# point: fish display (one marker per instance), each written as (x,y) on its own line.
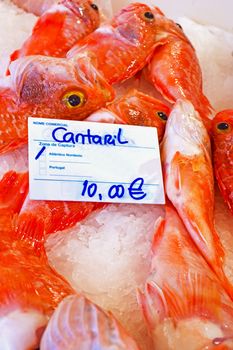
(135,108)
(92,275)
(222,132)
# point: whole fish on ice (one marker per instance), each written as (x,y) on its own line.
(189,181)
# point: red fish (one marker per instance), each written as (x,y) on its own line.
(222,132)
(30,289)
(48,87)
(189,182)
(123,47)
(135,108)
(59,28)
(79,324)
(174,68)
(184,304)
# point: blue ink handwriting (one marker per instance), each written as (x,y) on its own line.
(88,138)
(135,190)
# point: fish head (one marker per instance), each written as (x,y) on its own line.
(86,11)
(222,127)
(58,88)
(167,28)
(136,23)
(137,108)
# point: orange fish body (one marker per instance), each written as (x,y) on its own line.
(135,108)
(222,132)
(37,7)
(30,289)
(48,87)
(59,28)
(189,181)
(184,305)
(79,324)
(174,68)
(122,48)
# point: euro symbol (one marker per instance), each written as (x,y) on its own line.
(135,189)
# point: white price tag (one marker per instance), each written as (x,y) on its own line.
(85,161)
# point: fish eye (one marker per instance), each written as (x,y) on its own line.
(178,25)
(149,16)
(95,7)
(223,127)
(162,116)
(74,99)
